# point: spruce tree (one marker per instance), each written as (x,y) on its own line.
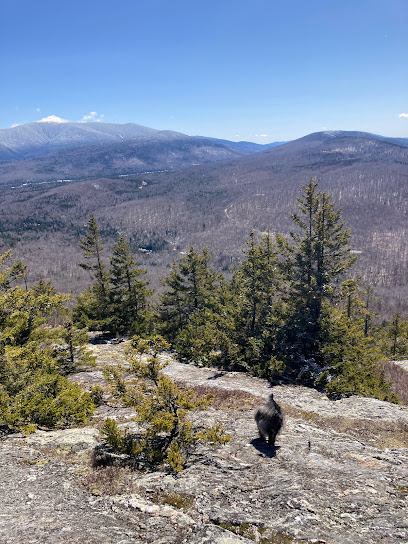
(350,357)
(32,390)
(317,258)
(92,309)
(128,291)
(257,313)
(395,337)
(189,306)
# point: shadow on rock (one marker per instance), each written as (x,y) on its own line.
(216,376)
(264,448)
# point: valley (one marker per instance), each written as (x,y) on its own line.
(214,205)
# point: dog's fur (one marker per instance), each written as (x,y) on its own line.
(269,419)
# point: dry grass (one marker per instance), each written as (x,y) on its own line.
(65,454)
(224,399)
(181,501)
(379,434)
(33,462)
(111,480)
(398,376)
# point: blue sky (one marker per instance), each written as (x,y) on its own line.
(261,71)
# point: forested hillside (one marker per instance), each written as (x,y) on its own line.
(217,205)
(292,313)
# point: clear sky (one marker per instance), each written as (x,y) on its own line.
(260,70)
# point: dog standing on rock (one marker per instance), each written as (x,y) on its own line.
(269,420)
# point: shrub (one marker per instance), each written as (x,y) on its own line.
(162,410)
(32,390)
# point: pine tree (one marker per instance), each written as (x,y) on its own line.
(32,390)
(72,351)
(190,314)
(256,285)
(350,356)
(162,409)
(128,291)
(395,337)
(315,261)
(189,303)
(93,306)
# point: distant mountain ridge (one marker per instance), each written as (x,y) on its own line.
(42,138)
(164,151)
(249,147)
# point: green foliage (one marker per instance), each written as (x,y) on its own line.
(128,292)
(32,391)
(189,308)
(162,410)
(97,395)
(93,306)
(116,302)
(316,259)
(44,398)
(273,369)
(351,358)
(256,305)
(395,337)
(73,351)
(198,341)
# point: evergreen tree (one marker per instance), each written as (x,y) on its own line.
(128,291)
(92,308)
(72,350)
(395,337)
(191,289)
(351,357)
(257,308)
(315,261)
(162,409)
(369,298)
(189,306)
(32,390)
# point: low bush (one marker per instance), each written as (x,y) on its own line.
(162,409)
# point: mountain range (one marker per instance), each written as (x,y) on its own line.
(42,138)
(213,205)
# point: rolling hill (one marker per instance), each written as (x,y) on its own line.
(166,151)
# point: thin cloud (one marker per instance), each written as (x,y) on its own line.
(261,135)
(92,116)
(52,119)
(403,115)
